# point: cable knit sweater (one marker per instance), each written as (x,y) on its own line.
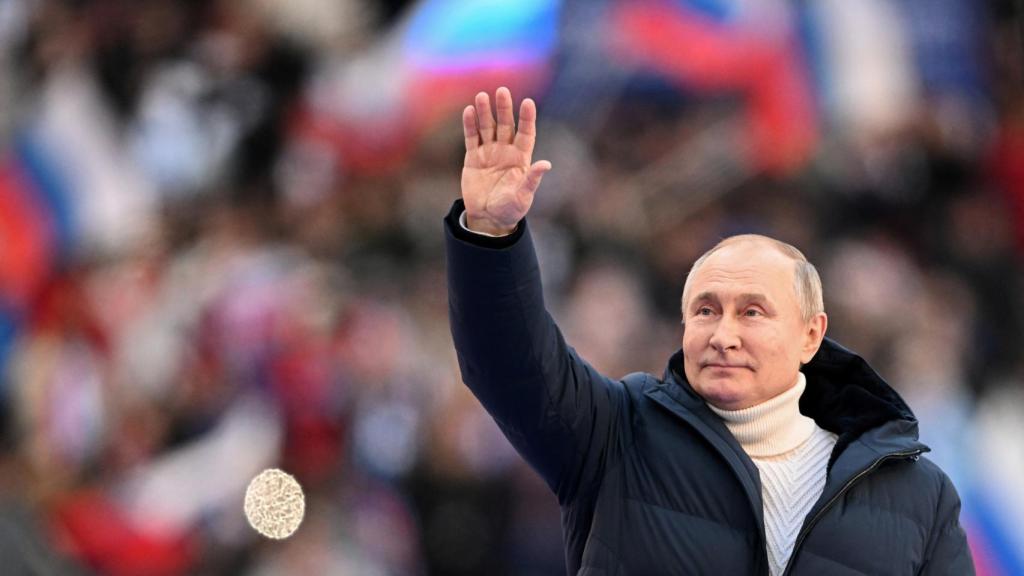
(791,452)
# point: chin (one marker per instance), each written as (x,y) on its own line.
(727,396)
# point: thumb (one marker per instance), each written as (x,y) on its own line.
(534,176)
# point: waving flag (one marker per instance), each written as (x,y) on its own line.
(36,229)
(730,47)
(458,36)
(458,47)
(35,222)
(371,110)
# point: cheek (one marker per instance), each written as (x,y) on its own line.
(693,338)
(782,348)
(691,347)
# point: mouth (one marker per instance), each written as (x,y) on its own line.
(721,366)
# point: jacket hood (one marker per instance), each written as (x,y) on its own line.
(844,394)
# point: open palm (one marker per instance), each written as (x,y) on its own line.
(498,179)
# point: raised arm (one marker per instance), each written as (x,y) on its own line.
(557,411)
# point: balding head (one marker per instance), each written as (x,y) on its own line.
(806,282)
(753,315)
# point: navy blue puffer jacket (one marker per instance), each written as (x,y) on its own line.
(651,482)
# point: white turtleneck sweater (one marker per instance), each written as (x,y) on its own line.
(791,452)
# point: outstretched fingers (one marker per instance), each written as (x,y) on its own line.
(470,129)
(506,120)
(485,118)
(527,134)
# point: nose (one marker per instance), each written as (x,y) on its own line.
(725,336)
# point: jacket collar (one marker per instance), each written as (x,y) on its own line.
(844,395)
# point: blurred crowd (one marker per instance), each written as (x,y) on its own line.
(221,251)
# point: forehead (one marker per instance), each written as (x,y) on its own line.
(744,268)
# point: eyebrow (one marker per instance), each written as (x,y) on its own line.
(753,297)
(746,296)
(704,296)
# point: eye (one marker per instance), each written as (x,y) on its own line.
(753,312)
(705,311)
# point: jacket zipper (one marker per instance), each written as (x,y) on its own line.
(846,487)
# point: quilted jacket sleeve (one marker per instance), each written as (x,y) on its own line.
(557,410)
(948,552)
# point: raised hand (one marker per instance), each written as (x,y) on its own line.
(498,179)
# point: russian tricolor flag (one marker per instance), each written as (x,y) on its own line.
(35,222)
(746,48)
(36,231)
(373,109)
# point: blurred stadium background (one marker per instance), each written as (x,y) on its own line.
(221,250)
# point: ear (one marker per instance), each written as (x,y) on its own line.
(814,333)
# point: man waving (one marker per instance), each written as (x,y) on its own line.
(764,448)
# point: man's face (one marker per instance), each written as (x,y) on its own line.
(744,337)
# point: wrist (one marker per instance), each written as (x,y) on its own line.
(484,226)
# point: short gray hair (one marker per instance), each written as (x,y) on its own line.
(806,282)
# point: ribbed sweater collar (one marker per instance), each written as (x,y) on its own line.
(773,427)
